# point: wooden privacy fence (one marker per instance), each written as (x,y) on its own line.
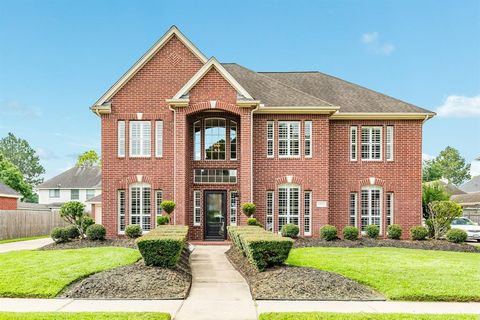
(28,223)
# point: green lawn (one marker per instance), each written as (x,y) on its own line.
(401,274)
(361,316)
(22,239)
(45,273)
(83,316)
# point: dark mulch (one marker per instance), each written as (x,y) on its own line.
(135,281)
(84,243)
(408,244)
(296,283)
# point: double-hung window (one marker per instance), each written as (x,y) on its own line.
(308,139)
(269,215)
(288,205)
(74,194)
(353,209)
(289,139)
(158,139)
(54,193)
(389,208)
(371,206)
(121,138)
(140,197)
(140,137)
(270,139)
(389,152)
(371,143)
(121,211)
(353,143)
(307,213)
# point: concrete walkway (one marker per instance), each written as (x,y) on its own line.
(25,245)
(218,290)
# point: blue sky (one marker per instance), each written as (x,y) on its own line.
(58,57)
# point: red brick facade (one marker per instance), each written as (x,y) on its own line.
(7,203)
(328,174)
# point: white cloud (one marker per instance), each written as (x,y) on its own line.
(18,109)
(475,168)
(373,44)
(460,107)
(426,156)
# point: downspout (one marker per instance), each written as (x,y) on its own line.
(174,162)
(251,152)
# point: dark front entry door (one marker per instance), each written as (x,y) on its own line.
(215,209)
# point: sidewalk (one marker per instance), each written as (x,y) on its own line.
(25,245)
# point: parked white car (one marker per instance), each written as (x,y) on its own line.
(471,228)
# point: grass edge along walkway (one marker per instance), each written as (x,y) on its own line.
(362,316)
(84,316)
(22,239)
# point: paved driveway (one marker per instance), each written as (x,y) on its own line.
(24,245)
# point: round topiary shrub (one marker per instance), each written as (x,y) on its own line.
(456,235)
(418,233)
(72,232)
(168,206)
(394,231)
(87,222)
(96,232)
(249,209)
(59,235)
(133,231)
(163,220)
(350,233)
(372,231)
(328,232)
(290,230)
(252,221)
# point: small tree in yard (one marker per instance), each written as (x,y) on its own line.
(441,215)
(249,209)
(74,213)
(168,206)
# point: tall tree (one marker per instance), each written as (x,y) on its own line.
(19,152)
(88,159)
(431,171)
(449,165)
(11,176)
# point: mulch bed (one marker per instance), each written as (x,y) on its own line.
(408,244)
(297,283)
(85,243)
(136,281)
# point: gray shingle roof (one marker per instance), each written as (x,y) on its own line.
(32,206)
(472,185)
(7,190)
(95,199)
(470,198)
(76,177)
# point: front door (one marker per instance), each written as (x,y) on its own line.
(215,208)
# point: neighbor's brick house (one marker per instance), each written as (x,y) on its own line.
(305,147)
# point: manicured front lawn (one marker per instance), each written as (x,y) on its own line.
(84,316)
(22,239)
(361,316)
(400,274)
(46,273)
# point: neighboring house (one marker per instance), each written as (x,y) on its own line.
(75,184)
(471,186)
(96,205)
(470,203)
(9,198)
(449,187)
(307,148)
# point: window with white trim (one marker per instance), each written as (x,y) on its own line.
(389,208)
(389,143)
(215,176)
(288,205)
(270,138)
(158,202)
(353,209)
(233,140)
(233,207)
(140,137)
(121,138)
(54,193)
(371,143)
(140,212)
(371,206)
(215,138)
(74,194)
(197,203)
(353,143)
(307,213)
(121,211)
(288,139)
(158,139)
(308,139)
(269,216)
(90,193)
(197,140)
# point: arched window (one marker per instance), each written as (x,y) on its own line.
(215,138)
(140,205)
(288,204)
(216,132)
(371,204)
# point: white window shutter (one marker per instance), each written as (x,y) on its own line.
(121,138)
(159,139)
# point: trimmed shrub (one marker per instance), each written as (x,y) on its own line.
(457,236)
(133,231)
(168,206)
(350,233)
(252,221)
(290,230)
(249,209)
(59,235)
(162,247)
(418,233)
(328,232)
(96,232)
(72,232)
(372,231)
(163,220)
(394,231)
(87,222)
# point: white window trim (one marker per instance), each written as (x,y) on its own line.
(197,195)
(159,139)
(370,139)
(390,143)
(118,210)
(354,131)
(370,216)
(273,209)
(310,139)
(289,151)
(71,194)
(54,193)
(232,173)
(355,209)
(309,233)
(204,130)
(390,208)
(194,144)
(234,208)
(230,140)
(141,215)
(142,124)
(157,205)
(289,187)
(121,139)
(271,124)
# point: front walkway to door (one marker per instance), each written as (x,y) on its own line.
(218,290)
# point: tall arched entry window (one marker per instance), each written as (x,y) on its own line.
(288,204)
(211,136)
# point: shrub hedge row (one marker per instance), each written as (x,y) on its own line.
(262,248)
(163,246)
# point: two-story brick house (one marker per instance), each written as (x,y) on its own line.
(305,147)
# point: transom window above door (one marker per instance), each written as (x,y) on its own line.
(211,133)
